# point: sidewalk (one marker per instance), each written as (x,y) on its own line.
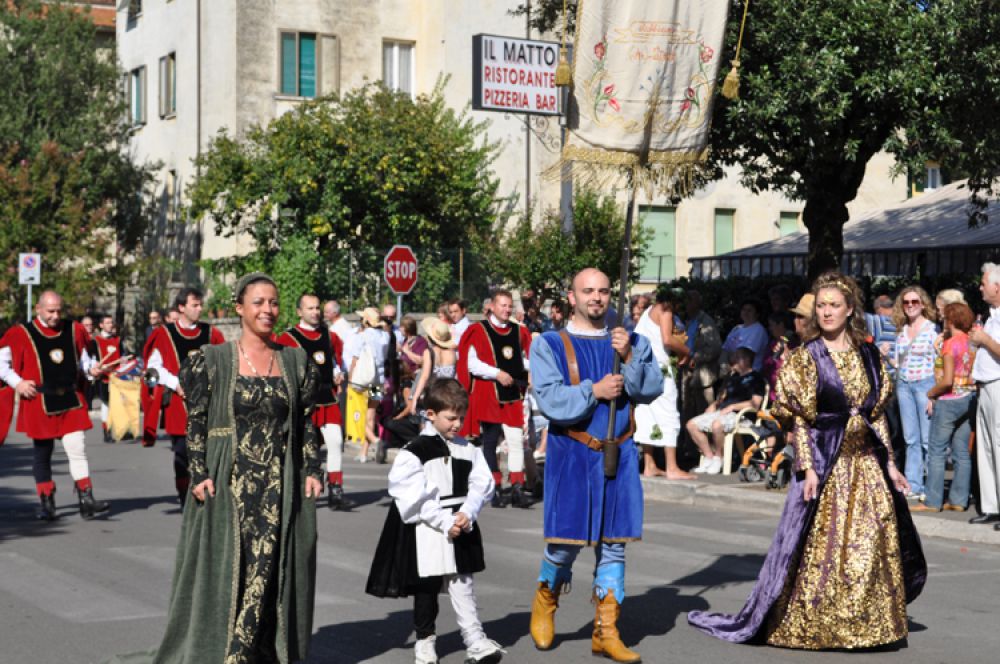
(729,492)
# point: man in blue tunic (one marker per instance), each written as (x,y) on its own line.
(574,385)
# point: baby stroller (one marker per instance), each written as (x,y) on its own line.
(769,458)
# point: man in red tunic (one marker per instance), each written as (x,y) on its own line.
(108,348)
(43,360)
(326,351)
(493,367)
(166,350)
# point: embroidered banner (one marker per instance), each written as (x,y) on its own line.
(644,82)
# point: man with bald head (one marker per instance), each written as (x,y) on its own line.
(326,351)
(572,376)
(43,361)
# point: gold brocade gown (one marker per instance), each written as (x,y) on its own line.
(846,590)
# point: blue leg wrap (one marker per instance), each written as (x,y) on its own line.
(610,577)
(554,575)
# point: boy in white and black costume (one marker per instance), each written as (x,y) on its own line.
(430,540)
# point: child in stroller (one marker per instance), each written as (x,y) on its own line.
(770,457)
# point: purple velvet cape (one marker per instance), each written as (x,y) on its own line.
(825,435)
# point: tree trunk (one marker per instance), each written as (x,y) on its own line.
(825,215)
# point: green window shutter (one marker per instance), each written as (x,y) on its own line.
(307,65)
(289,79)
(724,231)
(789,223)
(661,254)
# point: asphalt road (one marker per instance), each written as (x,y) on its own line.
(77,592)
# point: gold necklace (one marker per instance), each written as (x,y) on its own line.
(270,365)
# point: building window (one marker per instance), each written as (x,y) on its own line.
(933,178)
(135,91)
(298,64)
(724,231)
(397,66)
(168,85)
(134,8)
(659,263)
(788,223)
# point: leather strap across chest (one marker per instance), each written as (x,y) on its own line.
(582,436)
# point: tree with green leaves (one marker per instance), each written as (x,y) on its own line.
(67,188)
(324,184)
(542,257)
(825,86)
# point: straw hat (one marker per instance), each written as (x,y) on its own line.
(805,306)
(370,317)
(438,332)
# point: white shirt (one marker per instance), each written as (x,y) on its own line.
(987,366)
(166,379)
(479,368)
(9,376)
(378,343)
(459,328)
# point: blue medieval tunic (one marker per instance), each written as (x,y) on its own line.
(581,505)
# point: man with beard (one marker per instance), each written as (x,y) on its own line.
(43,361)
(166,350)
(493,367)
(326,351)
(574,385)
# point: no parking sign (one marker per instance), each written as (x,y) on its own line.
(29,269)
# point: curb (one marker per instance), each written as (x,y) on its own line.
(750,498)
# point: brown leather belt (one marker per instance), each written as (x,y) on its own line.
(581,436)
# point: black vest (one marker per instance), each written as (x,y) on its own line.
(59,366)
(186,346)
(320,352)
(507,354)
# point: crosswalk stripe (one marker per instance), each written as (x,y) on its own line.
(67,596)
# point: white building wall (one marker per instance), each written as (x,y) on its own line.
(240,87)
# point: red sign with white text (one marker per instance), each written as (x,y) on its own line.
(401,269)
(514,75)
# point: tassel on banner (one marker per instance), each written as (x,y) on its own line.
(564,74)
(731,86)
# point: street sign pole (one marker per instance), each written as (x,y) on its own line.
(29,273)
(399,309)
(28,313)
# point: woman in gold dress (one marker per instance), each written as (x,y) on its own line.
(846,559)
(244,579)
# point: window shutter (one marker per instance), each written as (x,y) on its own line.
(307,65)
(288,65)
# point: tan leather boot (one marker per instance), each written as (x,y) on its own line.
(543,616)
(606,640)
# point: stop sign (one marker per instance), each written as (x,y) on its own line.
(401,269)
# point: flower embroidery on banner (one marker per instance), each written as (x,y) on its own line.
(607,92)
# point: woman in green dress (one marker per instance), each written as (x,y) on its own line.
(244,580)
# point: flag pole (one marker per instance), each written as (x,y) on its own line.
(611,451)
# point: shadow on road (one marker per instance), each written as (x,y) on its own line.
(365,639)
(726,569)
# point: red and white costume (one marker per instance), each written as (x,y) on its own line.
(486,349)
(55,359)
(166,349)
(108,349)
(327,351)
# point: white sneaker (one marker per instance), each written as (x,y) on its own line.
(484,651)
(702,466)
(424,651)
(714,466)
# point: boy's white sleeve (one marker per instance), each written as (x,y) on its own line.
(481,487)
(416,500)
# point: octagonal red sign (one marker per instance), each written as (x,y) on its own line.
(401,269)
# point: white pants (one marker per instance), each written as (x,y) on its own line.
(515,448)
(462,591)
(104,413)
(661,414)
(988,447)
(333,437)
(77,455)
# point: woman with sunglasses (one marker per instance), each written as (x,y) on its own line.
(913,315)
